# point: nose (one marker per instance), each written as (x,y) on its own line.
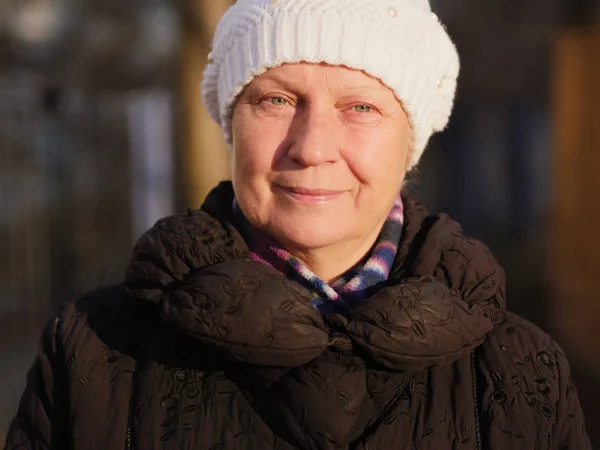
(315,137)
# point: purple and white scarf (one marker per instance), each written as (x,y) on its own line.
(349,290)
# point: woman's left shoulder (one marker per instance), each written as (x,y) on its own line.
(517,347)
(516,339)
(525,378)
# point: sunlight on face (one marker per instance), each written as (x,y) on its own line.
(320,152)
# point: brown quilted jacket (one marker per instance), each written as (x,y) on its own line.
(201,348)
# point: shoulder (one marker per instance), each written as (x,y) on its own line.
(102,317)
(523,367)
(526,389)
(519,345)
(521,334)
(96,305)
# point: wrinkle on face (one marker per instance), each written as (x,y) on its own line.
(316,138)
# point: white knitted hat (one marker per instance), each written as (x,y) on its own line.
(400,42)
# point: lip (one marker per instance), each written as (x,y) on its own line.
(311,196)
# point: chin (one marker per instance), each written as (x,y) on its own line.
(308,233)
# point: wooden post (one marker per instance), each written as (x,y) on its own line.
(575,240)
(204,157)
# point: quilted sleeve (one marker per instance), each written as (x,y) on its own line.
(39,423)
(570,425)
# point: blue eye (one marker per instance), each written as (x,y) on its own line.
(278,101)
(362,108)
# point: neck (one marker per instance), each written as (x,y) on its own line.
(329,263)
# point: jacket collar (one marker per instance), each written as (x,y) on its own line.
(445,293)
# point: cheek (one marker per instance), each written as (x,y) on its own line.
(246,142)
(252,163)
(245,165)
(379,158)
(395,147)
(256,148)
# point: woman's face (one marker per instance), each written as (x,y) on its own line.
(320,152)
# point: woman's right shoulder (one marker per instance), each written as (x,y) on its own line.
(104,317)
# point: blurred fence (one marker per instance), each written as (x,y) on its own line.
(68,180)
(99,104)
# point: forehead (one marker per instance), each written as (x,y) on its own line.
(301,75)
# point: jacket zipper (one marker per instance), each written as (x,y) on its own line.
(128,439)
(475,402)
(132,395)
(128,433)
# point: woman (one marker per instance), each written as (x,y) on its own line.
(308,305)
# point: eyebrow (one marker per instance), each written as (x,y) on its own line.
(277,80)
(290,86)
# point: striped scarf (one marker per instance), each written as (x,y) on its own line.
(349,290)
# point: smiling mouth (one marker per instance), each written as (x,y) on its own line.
(311,196)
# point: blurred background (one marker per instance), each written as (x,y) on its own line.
(102,132)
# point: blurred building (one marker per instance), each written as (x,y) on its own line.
(514,165)
(87,113)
